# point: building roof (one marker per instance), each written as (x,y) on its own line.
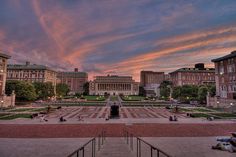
(72,74)
(27,67)
(195,70)
(231,55)
(5,56)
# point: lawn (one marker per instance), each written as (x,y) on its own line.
(225,115)
(132,98)
(20,109)
(94,98)
(114,98)
(14,116)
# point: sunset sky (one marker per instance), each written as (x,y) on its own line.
(119,37)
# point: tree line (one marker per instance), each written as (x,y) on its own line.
(26,91)
(187,93)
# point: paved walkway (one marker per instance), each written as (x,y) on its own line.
(115,147)
(188,146)
(53,147)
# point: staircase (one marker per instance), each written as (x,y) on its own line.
(115,147)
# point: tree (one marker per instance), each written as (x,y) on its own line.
(202,93)
(86,88)
(62,89)
(165,89)
(142,92)
(44,89)
(24,91)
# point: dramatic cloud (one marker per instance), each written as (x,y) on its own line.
(117,37)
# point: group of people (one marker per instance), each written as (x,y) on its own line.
(226,144)
(173,118)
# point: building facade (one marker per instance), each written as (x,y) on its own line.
(31,73)
(3,72)
(5,101)
(75,80)
(151,77)
(113,85)
(225,74)
(199,75)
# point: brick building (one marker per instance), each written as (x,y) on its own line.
(198,75)
(151,77)
(226,76)
(31,73)
(75,80)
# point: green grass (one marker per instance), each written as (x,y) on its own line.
(20,110)
(14,116)
(133,98)
(203,115)
(225,115)
(114,98)
(94,98)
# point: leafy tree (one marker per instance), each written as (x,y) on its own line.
(142,92)
(176,92)
(165,89)
(62,89)
(86,88)
(24,91)
(202,93)
(44,89)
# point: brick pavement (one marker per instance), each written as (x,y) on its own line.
(114,130)
(102,112)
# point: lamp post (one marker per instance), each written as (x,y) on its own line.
(2,104)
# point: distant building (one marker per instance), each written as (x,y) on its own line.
(75,80)
(151,81)
(152,90)
(198,75)
(151,77)
(5,101)
(167,77)
(113,85)
(31,73)
(226,76)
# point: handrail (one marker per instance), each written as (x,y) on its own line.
(93,141)
(129,139)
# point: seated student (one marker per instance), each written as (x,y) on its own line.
(62,119)
(175,118)
(170,118)
(227,144)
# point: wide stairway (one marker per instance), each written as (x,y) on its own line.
(115,147)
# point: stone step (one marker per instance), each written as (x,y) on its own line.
(115,147)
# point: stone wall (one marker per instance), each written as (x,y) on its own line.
(217,102)
(7,101)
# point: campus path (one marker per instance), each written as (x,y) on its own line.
(115,147)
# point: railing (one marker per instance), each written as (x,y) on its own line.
(143,148)
(89,149)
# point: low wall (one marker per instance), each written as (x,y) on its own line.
(7,101)
(217,102)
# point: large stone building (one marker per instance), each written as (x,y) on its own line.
(113,85)
(31,73)
(225,70)
(75,80)
(198,75)
(151,77)
(5,101)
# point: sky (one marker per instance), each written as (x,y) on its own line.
(117,37)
